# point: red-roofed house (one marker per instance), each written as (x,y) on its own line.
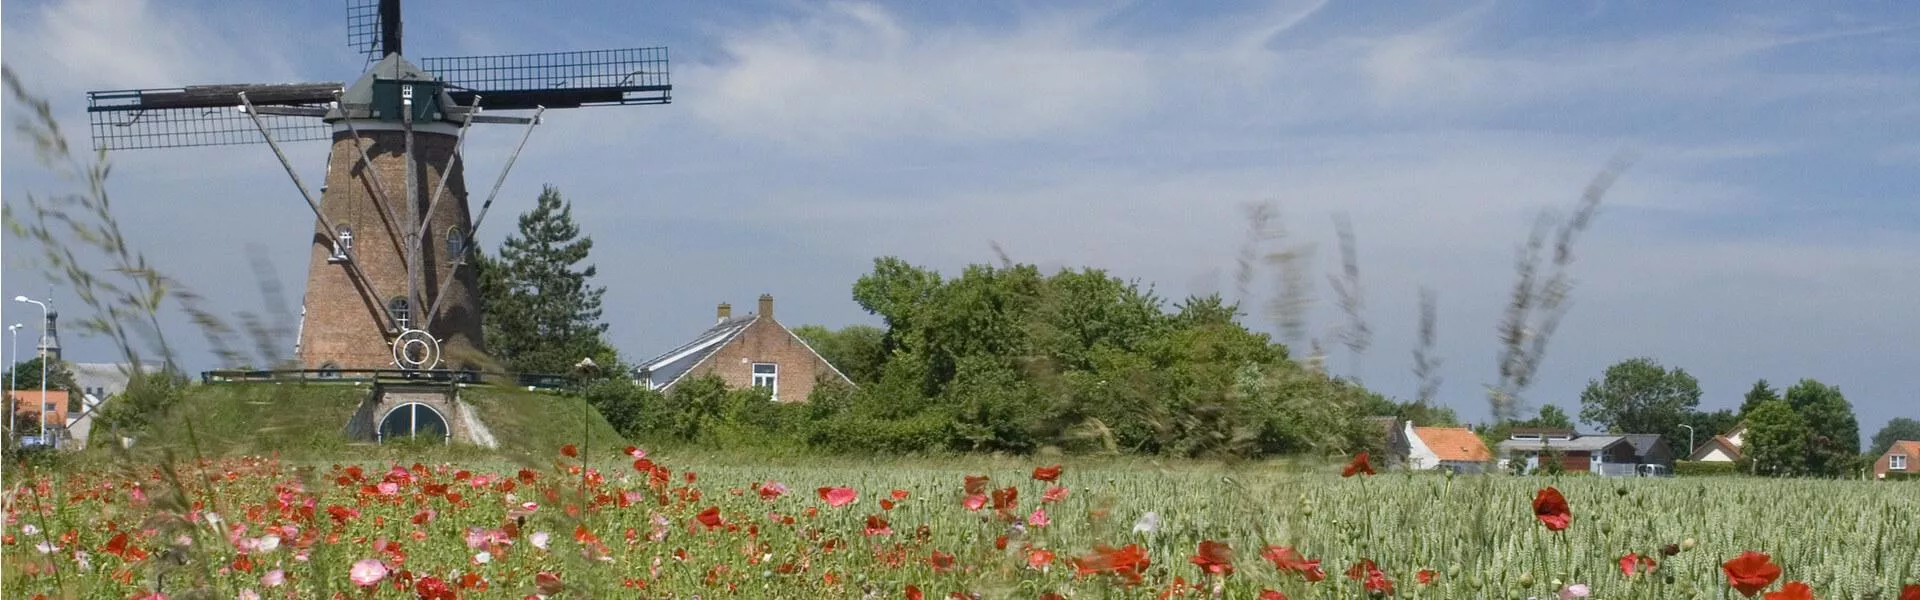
(28,406)
(1722,448)
(1902,457)
(1457,449)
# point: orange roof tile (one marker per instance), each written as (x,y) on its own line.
(1454,443)
(1908,447)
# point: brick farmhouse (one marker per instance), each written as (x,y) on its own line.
(749,350)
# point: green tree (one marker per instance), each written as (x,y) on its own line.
(1551,417)
(1900,428)
(1760,393)
(1640,396)
(859,351)
(1833,433)
(1776,440)
(542,315)
(28,372)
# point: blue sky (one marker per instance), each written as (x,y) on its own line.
(1766,231)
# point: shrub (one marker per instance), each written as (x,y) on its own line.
(1691,468)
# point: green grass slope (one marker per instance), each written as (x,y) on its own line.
(532,426)
(307,422)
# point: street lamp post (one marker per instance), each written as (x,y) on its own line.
(43,364)
(13,385)
(1689,438)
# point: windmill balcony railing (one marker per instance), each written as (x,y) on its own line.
(468,377)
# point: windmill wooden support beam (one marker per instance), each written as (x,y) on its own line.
(212,96)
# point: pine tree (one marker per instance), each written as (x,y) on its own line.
(1759,394)
(542,314)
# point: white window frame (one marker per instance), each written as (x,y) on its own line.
(342,242)
(772,378)
(1897,462)
(402,312)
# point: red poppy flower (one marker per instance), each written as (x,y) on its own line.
(1039,558)
(548,583)
(1750,572)
(1357,465)
(1266,594)
(1377,582)
(899,494)
(1360,569)
(1214,557)
(976,485)
(432,588)
(1129,561)
(1632,563)
(1053,494)
(878,526)
(1910,592)
(837,496)
(570,451)
(1425,576)
(1287,559)
(709,517)
(1551,508)
(1047,474)
(913,592)
(886,504)
(974,502)
(1793,590)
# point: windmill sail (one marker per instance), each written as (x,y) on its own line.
(373,28)
(205,115)
(557,79)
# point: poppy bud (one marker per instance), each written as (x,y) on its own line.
(1526,580)
(1670,549)
(1621,491)
(1687,544)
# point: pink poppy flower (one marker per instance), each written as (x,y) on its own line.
(368,573)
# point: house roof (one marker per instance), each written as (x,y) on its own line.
(1907,447)
(1721,442)
(670,366)
(1586,443)
(1643,443)
(1454,443)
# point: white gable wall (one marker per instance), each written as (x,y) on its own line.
(1716,455)
(1419,455)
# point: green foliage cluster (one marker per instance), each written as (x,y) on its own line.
(1007,359)
(541,314)
(1901,428)
(1695,468)
(1811,430)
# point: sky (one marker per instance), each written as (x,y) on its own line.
(1766,229)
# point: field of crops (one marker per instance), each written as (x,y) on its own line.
(648,526)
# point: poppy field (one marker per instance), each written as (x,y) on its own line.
(633,525)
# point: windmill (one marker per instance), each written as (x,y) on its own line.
(388,282)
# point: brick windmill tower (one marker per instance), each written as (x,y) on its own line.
(389,284)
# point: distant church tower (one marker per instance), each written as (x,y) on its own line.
(50,343)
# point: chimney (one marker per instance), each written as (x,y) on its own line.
(724,312)
(766,306)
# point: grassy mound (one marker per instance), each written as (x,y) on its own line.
(307,422)
(532,426)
